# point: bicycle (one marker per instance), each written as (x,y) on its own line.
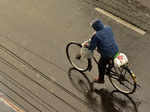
(122,78)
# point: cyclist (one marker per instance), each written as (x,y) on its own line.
(103,40)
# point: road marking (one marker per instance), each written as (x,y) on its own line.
(119,20)
(53,79)
(7,102)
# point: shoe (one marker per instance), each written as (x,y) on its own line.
(97,80)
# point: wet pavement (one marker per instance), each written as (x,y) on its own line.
(134,11)
(34,67)
(145,3)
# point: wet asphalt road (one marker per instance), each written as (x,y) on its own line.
(145,3)
(34,67)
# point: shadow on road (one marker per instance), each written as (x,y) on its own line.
(116,101)
(101,100)
(79,80)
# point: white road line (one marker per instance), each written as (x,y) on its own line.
(119,20)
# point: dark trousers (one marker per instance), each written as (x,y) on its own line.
(102,66)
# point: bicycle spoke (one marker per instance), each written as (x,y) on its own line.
(117,78)
(124,85)
(128,82)
(75,58)
(123,73)
(112,72)
(122,80)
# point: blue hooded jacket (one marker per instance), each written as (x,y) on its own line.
(104,40)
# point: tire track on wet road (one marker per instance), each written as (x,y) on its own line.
(43,75)
(29,92)
(2,60)
(2,83)
(38,71)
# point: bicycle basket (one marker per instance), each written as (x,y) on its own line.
(85,52)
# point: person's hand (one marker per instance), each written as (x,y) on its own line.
(85,44)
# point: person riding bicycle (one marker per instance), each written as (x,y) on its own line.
(103,39)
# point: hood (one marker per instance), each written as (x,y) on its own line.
(98,25)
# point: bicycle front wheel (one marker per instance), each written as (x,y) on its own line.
(75,58)
(123,80)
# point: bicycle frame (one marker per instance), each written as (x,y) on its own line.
(110,72)
(107,68)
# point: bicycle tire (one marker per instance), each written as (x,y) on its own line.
(84,66)
(128,73)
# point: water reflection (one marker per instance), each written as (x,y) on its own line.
(113,101)
(101,100)
(79,80)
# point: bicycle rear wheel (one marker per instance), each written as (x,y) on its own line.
(123,80)
(74,57)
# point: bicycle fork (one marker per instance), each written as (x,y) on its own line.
(131,73)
